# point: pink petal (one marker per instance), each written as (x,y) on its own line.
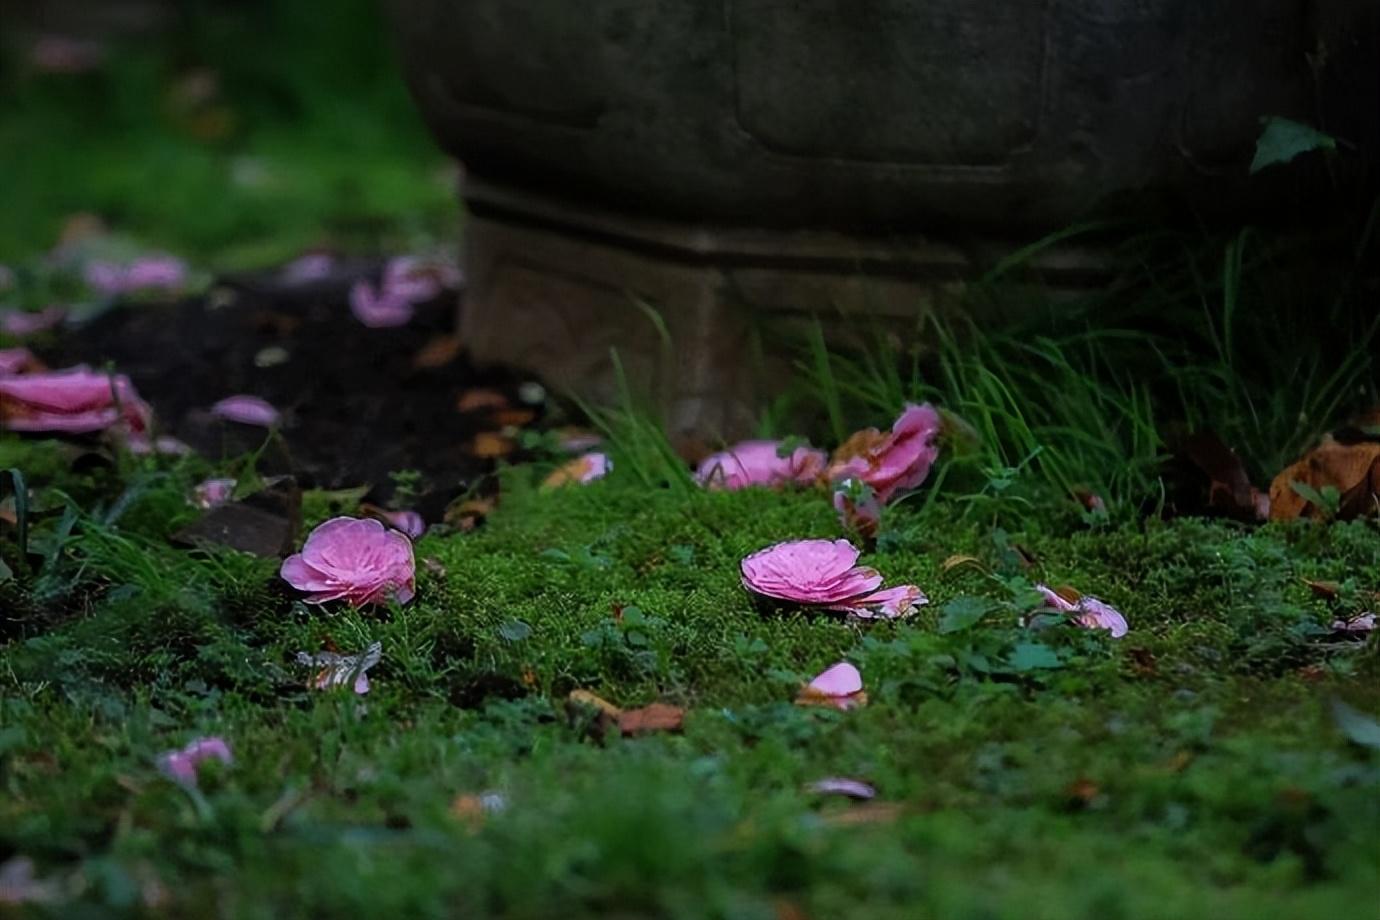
(595,466)
(247,410)
(887,604)
(842,785)
(20,324)
(379,309)
(1052,599)
(1095,614)
(309,268)
(76,400)
(1361,623)
(155,271)
(409,523)
(757,463)
(902,461)
(841,679)
(181,765)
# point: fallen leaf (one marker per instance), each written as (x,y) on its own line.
(1327,590)
(438,352)
(1352,469)
(514,418)
(490,445)
(480,398)
(956,560)
(264,524)
(1068,593)
(658,717)
(466,515)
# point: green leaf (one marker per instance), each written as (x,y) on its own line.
(1033,656)
(1356,725)
(962,612)
(1328,499)
(1283,139)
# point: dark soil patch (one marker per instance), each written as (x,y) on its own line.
(357,406)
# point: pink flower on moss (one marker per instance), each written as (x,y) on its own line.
(16,361)
(213,493)
(814,572)
(893,463)
(839,686)
(1087,611)
(22,324)
(355,560)
(247,410)
(76,400)
(1361,623)
(181,765)
(759,463)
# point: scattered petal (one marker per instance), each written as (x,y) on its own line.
(308,268)
(379,308)
(76,400)
(842,785)
(181,765)
(146,273)
(1361,623)
(212,493)
(354,560)
(759,463)
(838,687)
(581,470)
(247,410)
(21,323)
(1087,611)
(894,463)
(335,670)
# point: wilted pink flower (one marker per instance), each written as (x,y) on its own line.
(213,493)
(583,470)
(379,308)
(842,785)
(819,572)
(886,604)
(758,463)
(309,268)
(410,523)
(893,463)
(145,273)
(335,670)
(1361,623)
(859,510)
(75,400)
(838,687)
(181,765)
(355,560)
(1087,611)
(247,410)
(15,361)
(21,323)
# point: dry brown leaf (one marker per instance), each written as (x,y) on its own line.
(1070,594)
(958,559)
(514,418)
(1327,590)
(438,352)
(491,445)
(480,398)
(586,699)
(658,717)
(1352,469)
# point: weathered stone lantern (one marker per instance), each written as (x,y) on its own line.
(728,167)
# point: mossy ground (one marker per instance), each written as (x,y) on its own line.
(1191,769)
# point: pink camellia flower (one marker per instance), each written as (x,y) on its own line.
(1361,623)
(892,463)
(1087,611)
(582,470)
(22,324)
(355,560)
(247,410)
(213,493)
(76,400)
(859,510)
(15,361)
(838,687)
(886,604)
(180,766)
(379,308)
(145,273)
(759,463)
(817,572)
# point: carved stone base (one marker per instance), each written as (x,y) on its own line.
(704,321)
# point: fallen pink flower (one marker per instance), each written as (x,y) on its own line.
(335,670)
(213,493)
(76,400)
(379,308)
(858,508)
(838,687)
(886,604)
(145,273)
(582,470)
(410,523)
(247,410)
(181,765)
(893,463)
(1361,623)
(1087,611)
(15,361)
(759,463)
(22,324)
(842,785)
(818,572)
(355,560)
